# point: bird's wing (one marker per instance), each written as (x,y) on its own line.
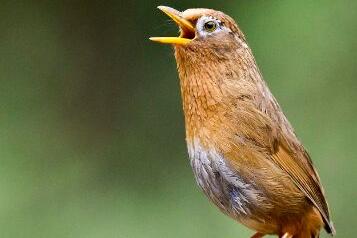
(301,171)
(287,153)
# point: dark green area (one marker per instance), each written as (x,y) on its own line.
(91,128)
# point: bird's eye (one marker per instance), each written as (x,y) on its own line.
(210,26)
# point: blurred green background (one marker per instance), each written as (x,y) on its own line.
(91,128)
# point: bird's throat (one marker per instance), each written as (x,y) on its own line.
(211,85)
(201,93)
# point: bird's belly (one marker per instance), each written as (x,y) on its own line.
(234,196)
(225,188)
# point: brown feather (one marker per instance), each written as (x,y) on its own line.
(232,115)
(305,178)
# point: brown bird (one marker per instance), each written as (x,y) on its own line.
(243,151)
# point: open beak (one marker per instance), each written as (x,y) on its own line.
(186,28)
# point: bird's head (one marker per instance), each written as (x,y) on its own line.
(202,29)
(207,38)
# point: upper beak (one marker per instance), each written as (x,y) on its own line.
(186,27)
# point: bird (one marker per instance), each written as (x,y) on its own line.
(244,153)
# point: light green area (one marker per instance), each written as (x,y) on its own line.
(91,128)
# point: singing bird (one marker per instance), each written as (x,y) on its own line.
(243,151)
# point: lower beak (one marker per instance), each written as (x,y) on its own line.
(186,27)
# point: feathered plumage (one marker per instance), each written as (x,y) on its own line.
(244,152)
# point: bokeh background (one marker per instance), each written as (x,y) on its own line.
(91,127)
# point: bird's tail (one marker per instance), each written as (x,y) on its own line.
(330,228)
